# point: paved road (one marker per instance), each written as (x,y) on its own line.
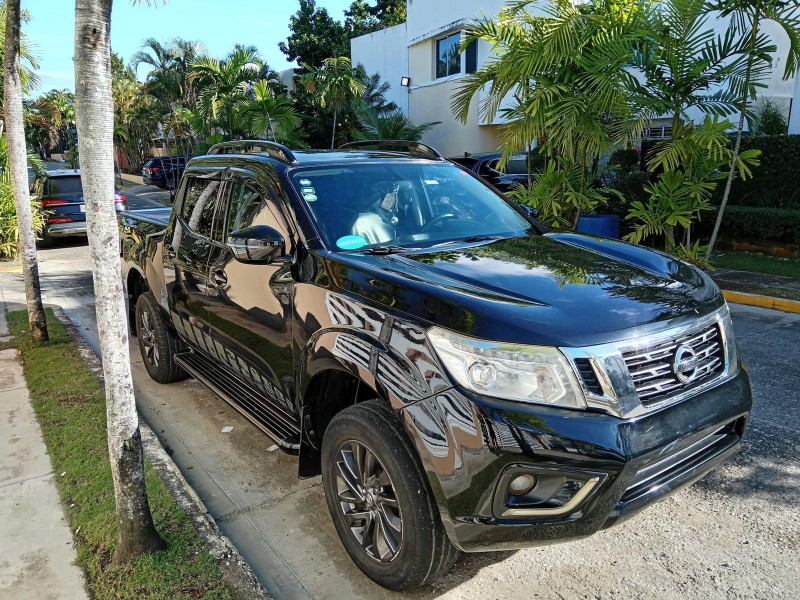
(735,534)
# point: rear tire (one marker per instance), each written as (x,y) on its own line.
(157,343)
(380,500)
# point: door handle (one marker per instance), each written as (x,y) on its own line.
(219,277)
(170,251)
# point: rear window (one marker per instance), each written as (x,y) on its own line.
(65,185)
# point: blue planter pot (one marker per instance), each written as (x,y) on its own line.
(605,225)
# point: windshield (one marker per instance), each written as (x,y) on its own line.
(411,205)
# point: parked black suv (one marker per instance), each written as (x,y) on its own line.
(164,171)
(461,380)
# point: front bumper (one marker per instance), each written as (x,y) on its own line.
(471,447)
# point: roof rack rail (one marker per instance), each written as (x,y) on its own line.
(274,149)
(415,148)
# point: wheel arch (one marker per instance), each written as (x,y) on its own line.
(336,370)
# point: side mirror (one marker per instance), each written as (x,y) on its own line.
(256,244)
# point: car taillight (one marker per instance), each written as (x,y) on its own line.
(120,198)
(48,202)
(152,170)
(59,220)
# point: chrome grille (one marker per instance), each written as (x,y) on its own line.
(653,368)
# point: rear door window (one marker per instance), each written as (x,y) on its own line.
(199,205)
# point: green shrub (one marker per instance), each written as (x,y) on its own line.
(770,119)
(753,223)
(9,232)
(626,159)
(775,181)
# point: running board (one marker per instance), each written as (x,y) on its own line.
(270,419)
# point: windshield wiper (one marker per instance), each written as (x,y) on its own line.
(471,239)
(387,250)
(482,238)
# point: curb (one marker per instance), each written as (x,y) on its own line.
(792,306)
(236,573)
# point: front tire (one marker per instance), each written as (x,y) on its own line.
(380,500)
(157,344)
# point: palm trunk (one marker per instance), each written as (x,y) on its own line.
(738,144)
(333,135)
(18,167)
(94,110)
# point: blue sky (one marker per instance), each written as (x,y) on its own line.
(219,24)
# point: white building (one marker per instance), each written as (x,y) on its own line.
(421,50)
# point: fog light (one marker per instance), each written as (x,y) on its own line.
(521,485)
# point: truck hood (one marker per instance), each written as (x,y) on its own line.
(561,289)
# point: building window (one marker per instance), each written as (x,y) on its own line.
(448,60)
(471,57)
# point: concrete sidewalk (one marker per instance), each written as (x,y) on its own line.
(38,558)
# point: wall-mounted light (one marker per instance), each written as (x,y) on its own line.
(405,81)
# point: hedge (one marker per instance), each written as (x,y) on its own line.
(774,183)
(751,223)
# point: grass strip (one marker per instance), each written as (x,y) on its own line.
(757,263)
(70,408)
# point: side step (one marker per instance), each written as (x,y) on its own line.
(270,419)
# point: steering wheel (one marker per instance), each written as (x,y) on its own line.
(437,219)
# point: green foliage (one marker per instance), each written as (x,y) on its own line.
(757,223)
(335,85)
(694,254)
(674,201)
(770,119)
(270,116)
(775,182)
(28,60)
(684,64)
(624,159)
(223,86)
(394,125)
(565,70)
(689,167)
(314,36)
(9,229)
(562,193)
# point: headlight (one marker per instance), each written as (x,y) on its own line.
(538,374)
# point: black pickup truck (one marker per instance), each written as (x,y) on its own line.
(462,380)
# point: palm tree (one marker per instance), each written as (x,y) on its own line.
(223,85)
(28,64)
(564,74)
(18,165)
(268,112)
(748,18)
(136,534)
(334,85)
(394,125)
(684,64)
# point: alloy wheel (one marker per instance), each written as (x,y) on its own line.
(148,339)
(367,500)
